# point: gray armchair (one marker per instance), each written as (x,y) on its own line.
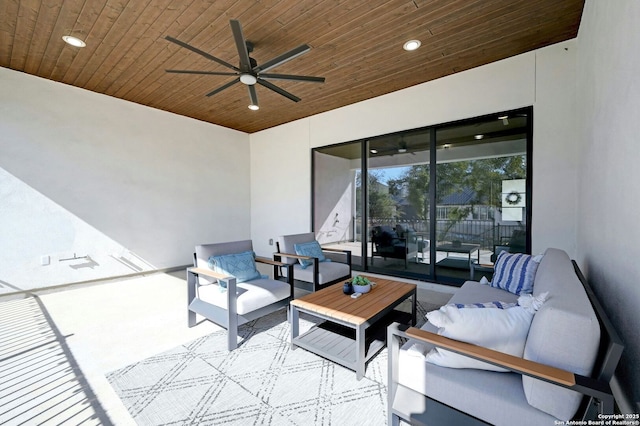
(387,243)
(231,300)
(318,273)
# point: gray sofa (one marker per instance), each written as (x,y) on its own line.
(565,333)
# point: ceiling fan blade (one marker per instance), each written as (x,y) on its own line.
(278,90)
(292,77)
(253,95)
(285,57)
(200,72)
(200,52)
(226,86)
(241,45)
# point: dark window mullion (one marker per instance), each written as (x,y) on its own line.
(432,201)
(364,187)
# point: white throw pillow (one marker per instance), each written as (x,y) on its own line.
(532,303)
(504,330)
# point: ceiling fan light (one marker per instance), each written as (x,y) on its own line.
(248,79)
(73,41)
(411,45)
(253,107)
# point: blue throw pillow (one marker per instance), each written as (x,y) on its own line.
(514,272)
(240,265)
(311,249)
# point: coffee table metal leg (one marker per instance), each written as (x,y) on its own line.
(360,354)
(294,324)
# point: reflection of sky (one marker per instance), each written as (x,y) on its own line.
(390,173)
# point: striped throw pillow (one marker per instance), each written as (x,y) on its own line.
(514,272)
(496,304)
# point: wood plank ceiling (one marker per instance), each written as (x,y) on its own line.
(356,45)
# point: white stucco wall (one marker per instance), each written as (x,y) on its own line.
(98,176)
(609,172)
(535,78)
(280,184)
(335,198)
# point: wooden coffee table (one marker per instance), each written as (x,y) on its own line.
(354,329)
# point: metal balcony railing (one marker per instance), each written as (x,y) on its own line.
(486,233)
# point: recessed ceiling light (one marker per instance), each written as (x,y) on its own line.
(402,150)
(503,117)
(73,41)
(411,45)
(253,107)
(479,136)
(373,151)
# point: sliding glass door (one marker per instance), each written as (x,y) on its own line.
(398,168)
(428,203)
(481,192)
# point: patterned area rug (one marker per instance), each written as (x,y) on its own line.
(263,382)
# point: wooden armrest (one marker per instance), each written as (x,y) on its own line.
(511,362)
(295,256)
(209,273)
(269,261)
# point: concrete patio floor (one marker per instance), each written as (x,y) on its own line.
(57,347)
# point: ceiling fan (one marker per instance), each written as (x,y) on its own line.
(400,148)
(249,72)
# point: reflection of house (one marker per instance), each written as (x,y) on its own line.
(406,210)
(454,203)
(465,199)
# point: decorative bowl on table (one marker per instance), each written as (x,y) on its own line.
(361,284)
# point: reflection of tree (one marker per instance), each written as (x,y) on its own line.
(381,204)
(417,180)
(484,177)
(450,178)
(487,176)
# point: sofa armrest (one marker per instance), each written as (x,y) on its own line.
(566,379)
(513,363)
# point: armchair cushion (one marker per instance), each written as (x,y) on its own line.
(311,249)
(252,295)
(240,265)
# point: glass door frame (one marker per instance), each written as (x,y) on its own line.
(432,214)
